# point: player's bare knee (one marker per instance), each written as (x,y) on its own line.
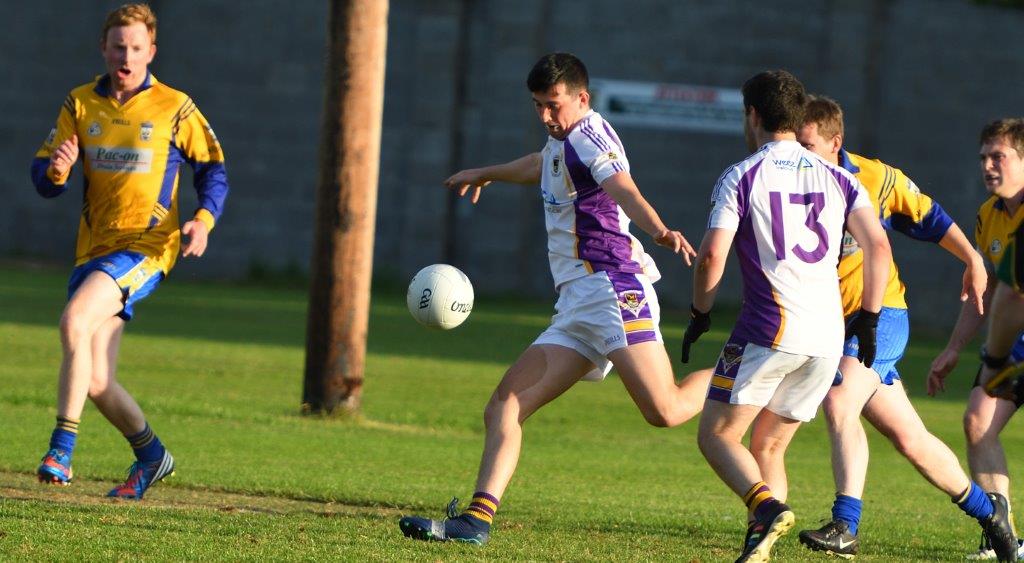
(502,408)
(657,417)
(766,450)
(977,429)
(74,331)
(98,387)
(906,444)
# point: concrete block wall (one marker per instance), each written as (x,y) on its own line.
(917,78)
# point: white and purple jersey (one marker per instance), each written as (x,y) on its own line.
(788,208)
(587,231)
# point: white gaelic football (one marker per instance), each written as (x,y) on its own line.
(440,296)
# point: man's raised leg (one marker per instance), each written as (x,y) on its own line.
(646,372)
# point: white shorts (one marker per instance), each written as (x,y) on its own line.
(602,312)
(789,385)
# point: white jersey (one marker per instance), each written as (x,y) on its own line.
(788,208)
(587,231)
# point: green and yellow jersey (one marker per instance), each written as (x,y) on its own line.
(1000,240)
(901,207)
(131,156)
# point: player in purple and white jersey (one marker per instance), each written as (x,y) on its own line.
(607,311)
(785,208)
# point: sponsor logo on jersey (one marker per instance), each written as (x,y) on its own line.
(146,130)
(612,156)
(632,301)
(784,164)
(51,136)
(120,159)
(119,121)
(94,129)
(996,247)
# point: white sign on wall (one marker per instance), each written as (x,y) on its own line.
(668,106)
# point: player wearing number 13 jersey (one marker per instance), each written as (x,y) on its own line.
(785,209)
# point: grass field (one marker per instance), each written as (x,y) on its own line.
(218,371)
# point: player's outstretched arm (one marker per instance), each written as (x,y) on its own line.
(623,190)
(525,170)
(975,279)
(967,325)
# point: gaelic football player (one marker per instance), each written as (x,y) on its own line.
(607,311)
(132,133)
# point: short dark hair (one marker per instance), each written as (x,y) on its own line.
(779,99)
(826,113)
(1009,128)
(555,68)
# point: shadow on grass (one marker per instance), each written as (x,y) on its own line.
(496,332)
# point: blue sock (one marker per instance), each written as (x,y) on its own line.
(975,502)
(146,445)
(848,509)
(64,435)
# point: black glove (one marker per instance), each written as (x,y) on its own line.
(863,325)
(699,324)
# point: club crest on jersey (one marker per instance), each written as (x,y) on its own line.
(94,129)
(732,355)
(146,130)
(996,247)
(632,301)
(556,165)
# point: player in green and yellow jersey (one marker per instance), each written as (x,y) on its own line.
(1000,240)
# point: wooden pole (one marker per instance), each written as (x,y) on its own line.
(346,203)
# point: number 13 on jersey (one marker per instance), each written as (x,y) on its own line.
(814,203)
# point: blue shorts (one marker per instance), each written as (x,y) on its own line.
(1017,353)
(890,343)
(136,274)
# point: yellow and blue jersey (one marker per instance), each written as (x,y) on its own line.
(131,156)
(1000,239)
(901,207)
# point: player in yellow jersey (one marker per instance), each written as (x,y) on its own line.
(878,393)
(999,238)
(133,133)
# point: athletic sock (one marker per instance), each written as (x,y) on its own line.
(975,502)
(847,509)
(64,435)
(759,500)
(146,445)
(483,507)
